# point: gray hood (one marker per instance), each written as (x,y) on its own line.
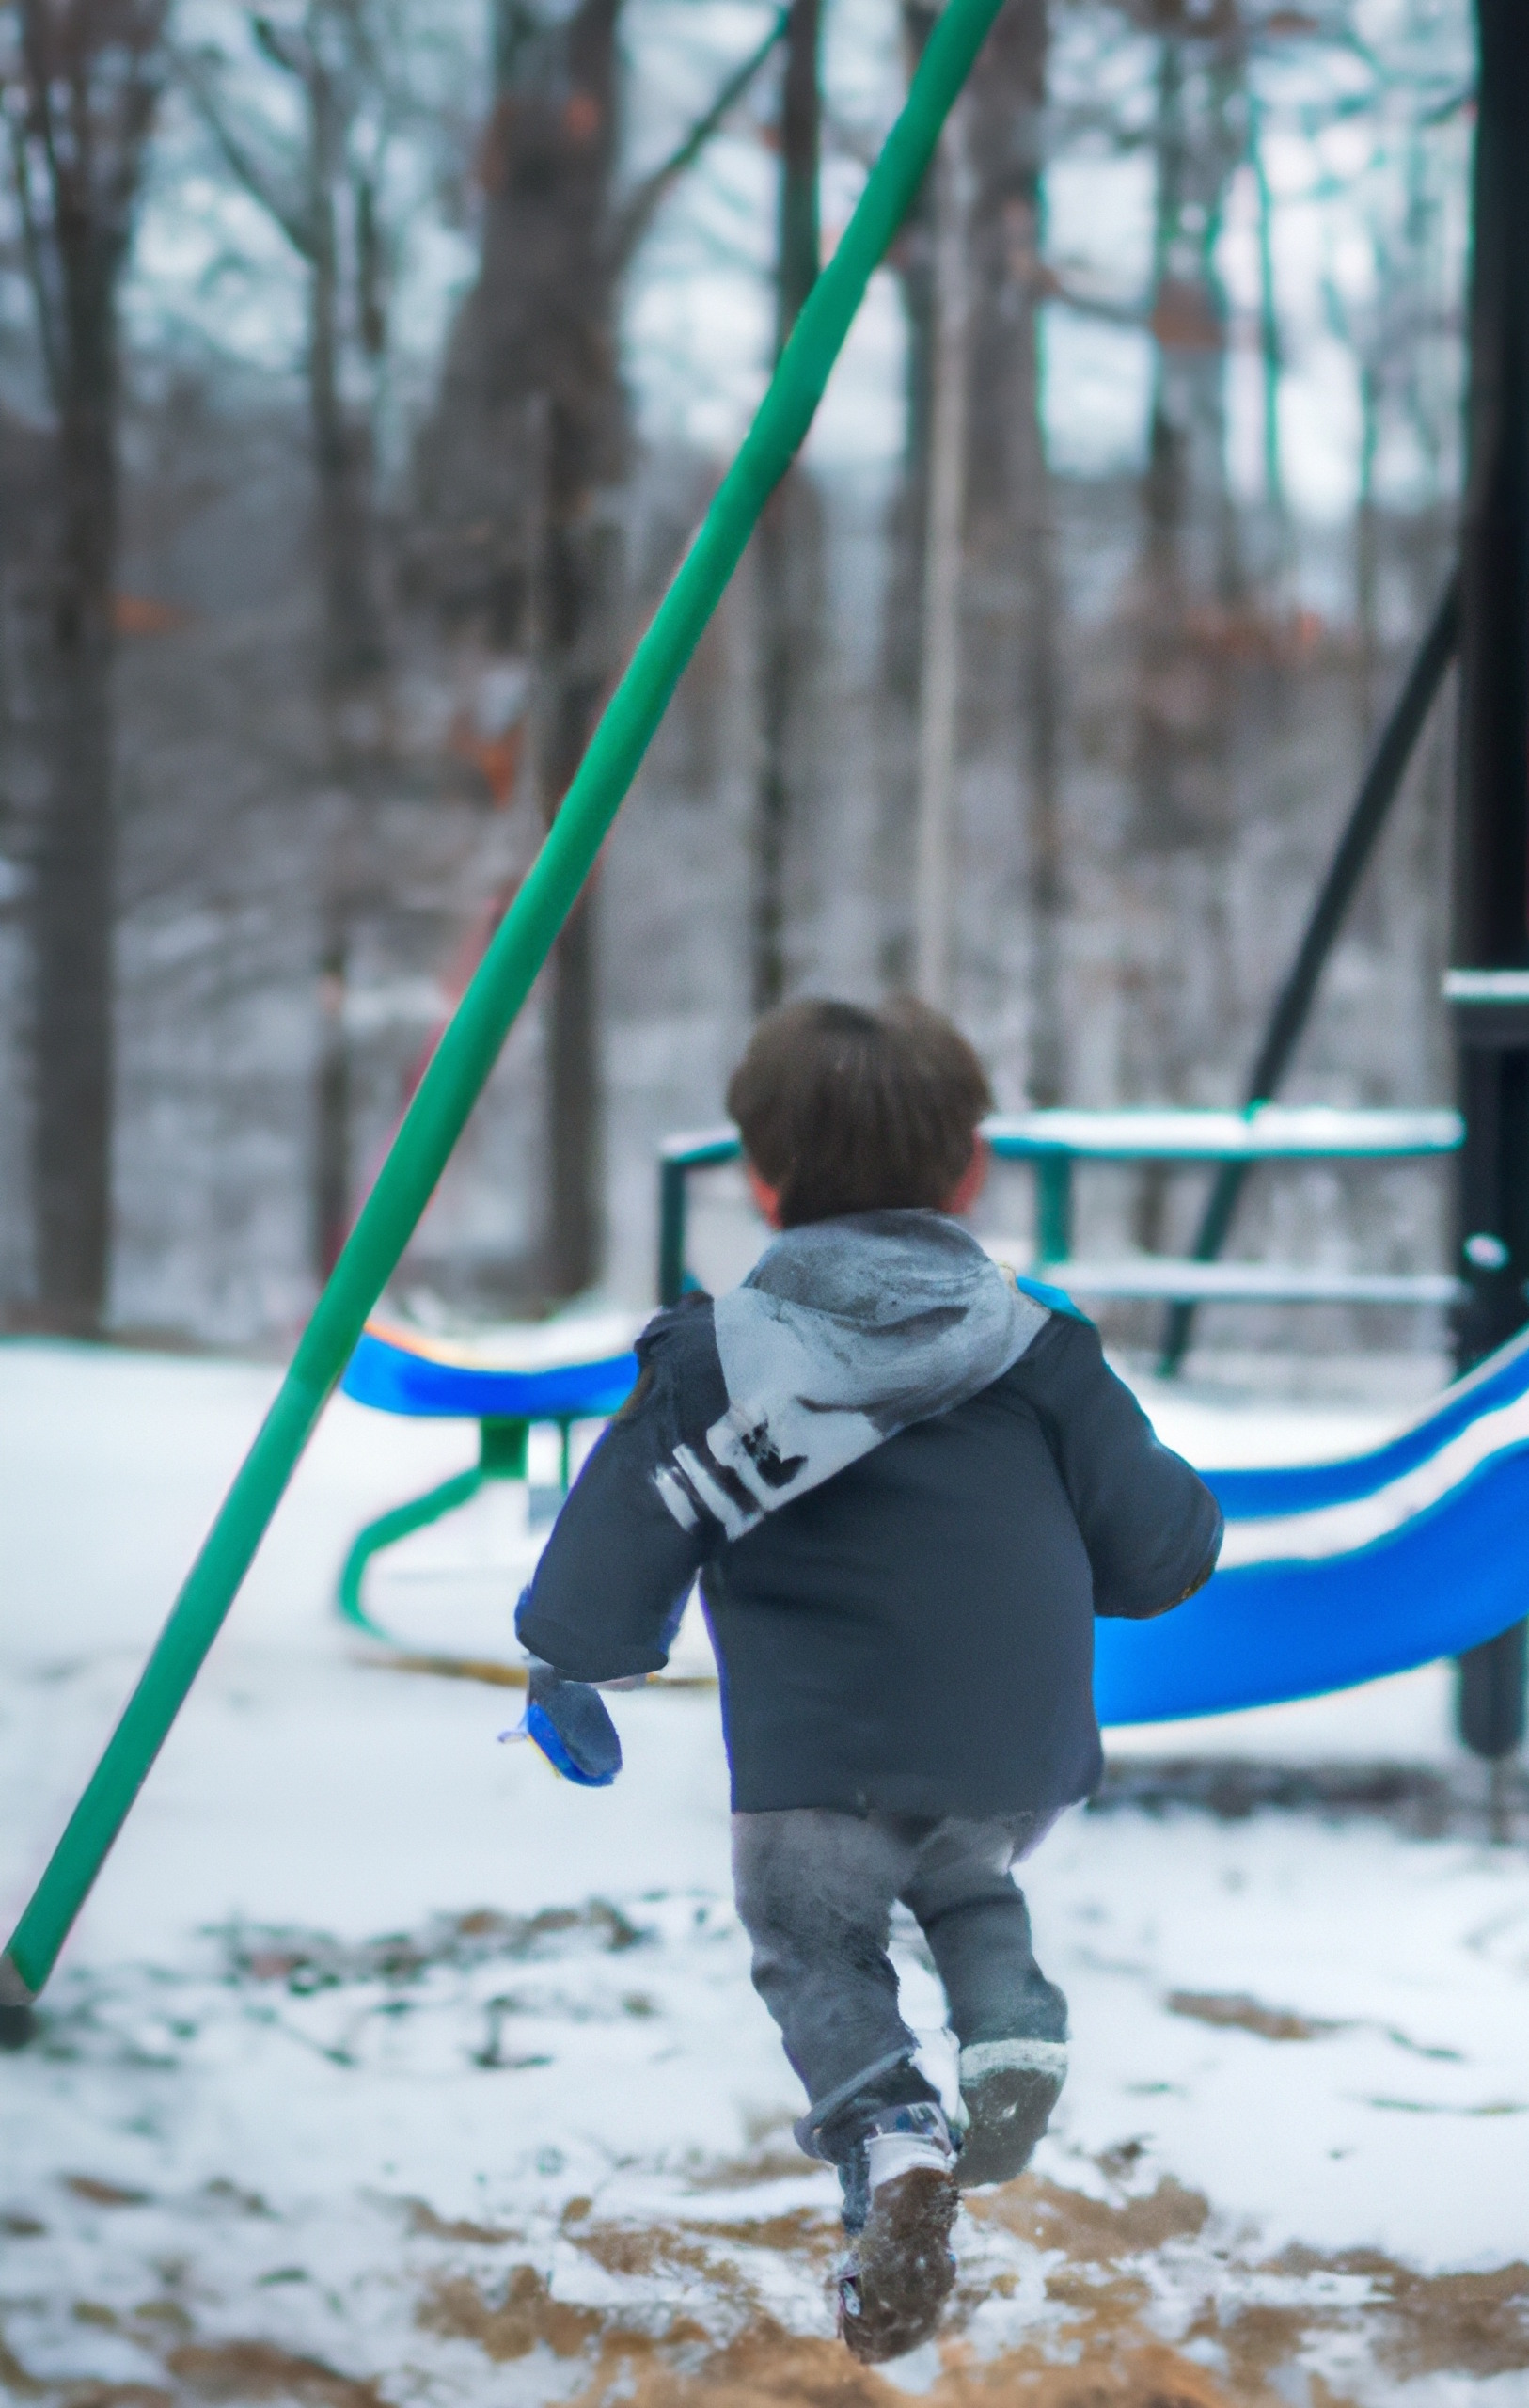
(843,1333)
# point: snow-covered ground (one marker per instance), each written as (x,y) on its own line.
(384,2068)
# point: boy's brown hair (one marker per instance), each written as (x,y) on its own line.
(845,1110)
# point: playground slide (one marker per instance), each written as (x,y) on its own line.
(1337,1572)
(582,1368)
(1332,1573)
(1295,1488)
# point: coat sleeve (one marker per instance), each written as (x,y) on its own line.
(1152,1529)
(608,1591)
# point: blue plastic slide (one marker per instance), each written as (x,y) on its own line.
(1293,1488)
(1332,1572)
(579,1369)
(1337,1572)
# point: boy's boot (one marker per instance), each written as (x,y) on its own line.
(899,2203)
(1008,2089)
(885,2132)
(1013,2025)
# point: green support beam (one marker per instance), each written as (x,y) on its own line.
(503,1454)
(471,1043)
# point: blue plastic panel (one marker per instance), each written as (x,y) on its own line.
(397,1378)
(1295,1488)
(1258,1634)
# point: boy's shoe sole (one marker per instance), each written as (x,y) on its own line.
(901,2273)
(1008,2088)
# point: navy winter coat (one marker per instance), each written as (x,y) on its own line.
(913,1634)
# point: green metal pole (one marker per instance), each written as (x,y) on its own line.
(672,1199)
(471,1043)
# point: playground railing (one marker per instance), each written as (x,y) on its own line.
(1055,1143)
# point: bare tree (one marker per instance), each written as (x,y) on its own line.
(518,473)
(1012,540)
(912,260)
(939,679)
(1198,140)
(1179,742)
(788,531)
(324,192)
(1010,701)
(82,82)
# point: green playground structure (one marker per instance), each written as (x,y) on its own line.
(1055,1144)
(507,1390)
(472,1042)
(502,1447)
(399,1370)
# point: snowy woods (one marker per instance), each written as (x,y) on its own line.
(364,367)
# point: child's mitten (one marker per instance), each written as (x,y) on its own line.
(569,1724)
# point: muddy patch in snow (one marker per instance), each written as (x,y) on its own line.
(1093,2231)
(1095,2337)
(540,2160)
(710,2287)
(1423,1801)
(1238,2013)
(1086,2279)
(304,1961)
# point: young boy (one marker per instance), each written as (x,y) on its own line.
(908,1483)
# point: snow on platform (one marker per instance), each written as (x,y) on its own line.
(384,2068)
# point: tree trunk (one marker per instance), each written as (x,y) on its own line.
(529,438)
(576,1224)
(353,635)
(1180,993)
(578,575)
(354,652)
(940,688)
(1165,485)
(584,443)
(88,86)
(332,1095)
(912,260)
(327,211)
(530,433)
(1013,534)
(1268,342)
(73,890)
(788,519)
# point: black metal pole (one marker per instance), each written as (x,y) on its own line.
(1372,806)
(1491,810)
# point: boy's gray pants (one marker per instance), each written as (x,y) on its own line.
(815,1888)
